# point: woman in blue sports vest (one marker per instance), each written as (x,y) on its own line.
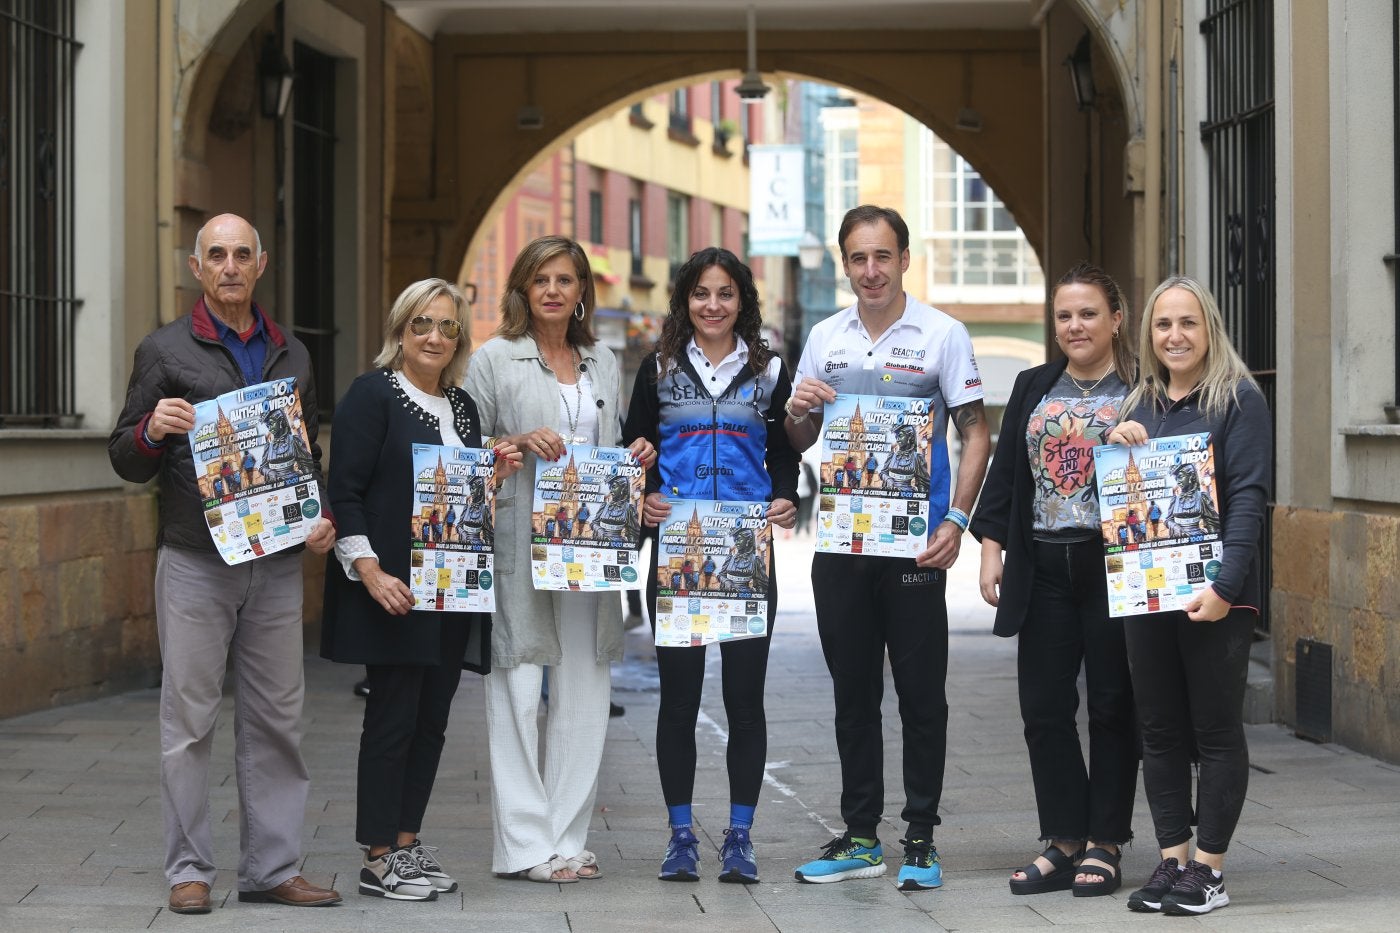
(711,399)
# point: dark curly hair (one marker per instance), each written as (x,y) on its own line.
(677,329)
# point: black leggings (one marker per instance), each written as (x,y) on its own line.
(1189,680)
(682,672)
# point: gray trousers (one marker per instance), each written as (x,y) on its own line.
(206,612)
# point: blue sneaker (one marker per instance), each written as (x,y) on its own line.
(737,864)
(843,859)
(921,870)
(682,861)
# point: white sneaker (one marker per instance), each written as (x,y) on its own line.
(395,875)
(428,865)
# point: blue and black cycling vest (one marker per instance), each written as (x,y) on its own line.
(713,446)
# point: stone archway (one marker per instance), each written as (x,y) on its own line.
(930,76)
(1073,180)
(215,41)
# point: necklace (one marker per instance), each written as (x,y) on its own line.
(572,414)
(1087,389)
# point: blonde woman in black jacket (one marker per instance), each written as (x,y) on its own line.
(1189,667)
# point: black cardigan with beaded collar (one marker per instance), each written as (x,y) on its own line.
(370,493)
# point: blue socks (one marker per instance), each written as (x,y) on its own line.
(678,815)
(740,816)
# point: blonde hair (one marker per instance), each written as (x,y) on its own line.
(1085,273)
(515,302)
(1224,371)
(413,301)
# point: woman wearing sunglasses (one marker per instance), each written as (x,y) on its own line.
(414,658)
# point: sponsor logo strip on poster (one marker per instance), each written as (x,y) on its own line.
(254,470)
(713,564)
(452,566)
(1160,518)
(874,482)
(586,520)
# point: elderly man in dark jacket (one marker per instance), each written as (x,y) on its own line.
(207,610)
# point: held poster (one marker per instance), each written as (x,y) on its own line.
(713,563)
(586,520)
(874,483)
(452,566)
(254,469)
(1160,517)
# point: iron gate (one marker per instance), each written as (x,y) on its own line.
(1238,135)
(37,304)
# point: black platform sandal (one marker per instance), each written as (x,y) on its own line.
(1060,878)
(1110,882)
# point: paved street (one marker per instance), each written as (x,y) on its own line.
(80,827)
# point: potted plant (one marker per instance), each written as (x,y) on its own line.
(724,129)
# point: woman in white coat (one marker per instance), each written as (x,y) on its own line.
(543,381)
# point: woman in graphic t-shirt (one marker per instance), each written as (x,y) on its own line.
(1039,506)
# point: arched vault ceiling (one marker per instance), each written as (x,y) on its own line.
(479,17)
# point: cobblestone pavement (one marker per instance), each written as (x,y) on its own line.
(80,828)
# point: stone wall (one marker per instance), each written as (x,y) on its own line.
(1337,580)
(76,613)
(76,619)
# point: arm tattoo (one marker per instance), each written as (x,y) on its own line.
(967,416)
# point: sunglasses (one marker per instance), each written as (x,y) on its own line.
(450,328)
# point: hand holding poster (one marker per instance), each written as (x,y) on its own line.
(1161,522)
(254,468)
(874,483)
(454,529)
(586,520)
(713,564)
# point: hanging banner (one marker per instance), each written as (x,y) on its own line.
(874,496)
(777,199)
(1161,522)
(713,564)
(586,520)
(451,568)
(254,468)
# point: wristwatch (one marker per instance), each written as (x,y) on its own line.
(796,419)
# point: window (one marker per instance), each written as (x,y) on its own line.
(595,216)
(716,102)
(534,222)
(637,116)
(37,300)
(634,233)
(1238,136)
(677,231)
(313,212)
(842,157)
(971,238)
(680,110)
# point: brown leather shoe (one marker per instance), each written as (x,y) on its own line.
(190,897)
(296,891)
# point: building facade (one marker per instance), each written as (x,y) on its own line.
(1249,142)
(642,187)
(968,256)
